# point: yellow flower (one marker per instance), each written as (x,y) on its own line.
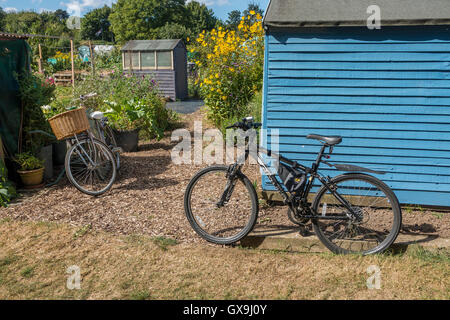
(231,69)
(252,12)
(217,75)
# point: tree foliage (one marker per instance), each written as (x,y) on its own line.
(234,17)
(96,26)
(140,19)
(46,23)
(199,18)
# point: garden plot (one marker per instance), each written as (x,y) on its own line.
(147,199)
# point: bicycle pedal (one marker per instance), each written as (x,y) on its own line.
(304,231)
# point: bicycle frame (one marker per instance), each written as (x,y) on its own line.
(297,199)
(91,137)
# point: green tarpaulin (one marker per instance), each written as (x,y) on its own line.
(15,57)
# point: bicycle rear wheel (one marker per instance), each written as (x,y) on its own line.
(220,224)
(378,215)
(91,167)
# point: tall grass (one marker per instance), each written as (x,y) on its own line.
(253,108)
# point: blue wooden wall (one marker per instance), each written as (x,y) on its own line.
(387,92)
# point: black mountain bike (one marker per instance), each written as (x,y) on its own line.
(351,213)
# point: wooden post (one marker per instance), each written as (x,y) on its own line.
(131,62)
(73,63)
(40,59)
(92,57)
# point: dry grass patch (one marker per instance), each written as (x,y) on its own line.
(34,258)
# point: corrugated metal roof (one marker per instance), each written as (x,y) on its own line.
(12,36)
(151,45)
(326,13)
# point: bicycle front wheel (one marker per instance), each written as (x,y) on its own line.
(91,167)
(110,141)
(373,224)
(220,223)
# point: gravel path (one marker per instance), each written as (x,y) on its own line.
(148,199)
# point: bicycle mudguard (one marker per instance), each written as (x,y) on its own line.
(353,168)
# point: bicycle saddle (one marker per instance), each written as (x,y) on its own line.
(330,140)
(97,115)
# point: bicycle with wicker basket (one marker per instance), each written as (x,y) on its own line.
(91,165)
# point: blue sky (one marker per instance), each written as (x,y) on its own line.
(220,7)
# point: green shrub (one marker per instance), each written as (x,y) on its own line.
(7,190)
(35,92)
(28,162)
(253,108)
(109,61)
(231,67)
(130,102)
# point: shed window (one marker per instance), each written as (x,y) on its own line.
(148,59)
(135,60)
(164,59)
(126,60)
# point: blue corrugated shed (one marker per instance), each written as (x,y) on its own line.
(387,92)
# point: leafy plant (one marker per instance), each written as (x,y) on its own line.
(231,67)
(28,162)
(7,190)
(35,91)
(130,102)
(147,113)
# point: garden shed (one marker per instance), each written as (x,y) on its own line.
(164,60)
(386,91)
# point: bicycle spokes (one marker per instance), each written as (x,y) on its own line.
(91,167)
(370,219)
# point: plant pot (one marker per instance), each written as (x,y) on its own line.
(127,140)
(31,177)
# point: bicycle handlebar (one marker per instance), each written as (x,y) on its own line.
(246,124)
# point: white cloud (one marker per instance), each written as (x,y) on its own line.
(10,9)
(75,7)
(213,2)
(45,10)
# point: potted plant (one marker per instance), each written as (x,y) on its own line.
(31,169)
(126,130)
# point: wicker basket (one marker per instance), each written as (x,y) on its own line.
(69,123)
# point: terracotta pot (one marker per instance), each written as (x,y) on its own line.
(31,177)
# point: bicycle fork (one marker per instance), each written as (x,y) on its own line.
(232,175)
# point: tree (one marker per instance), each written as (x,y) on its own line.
(173,31)
(96,26)
(254,7)
(234,17)
(140,19)
(2,18)
(253,10)
(199,18)
(61,15)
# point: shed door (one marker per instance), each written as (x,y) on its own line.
(387,92)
